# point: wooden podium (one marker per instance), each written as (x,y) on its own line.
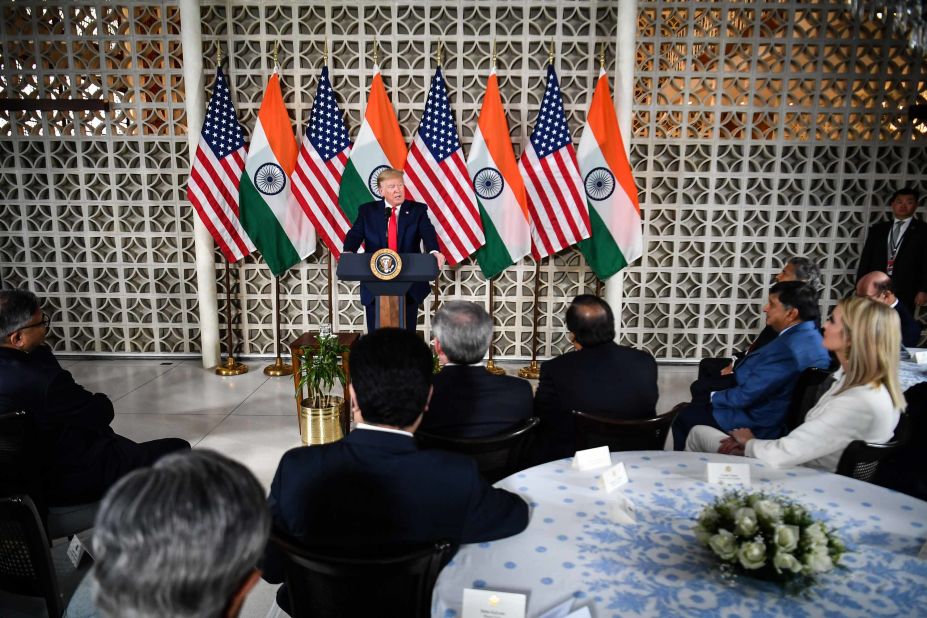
(388,276)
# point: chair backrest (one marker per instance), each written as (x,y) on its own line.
(25,562)
(806,394)
(621,434)
(378,582)
(497,456)
(861,459)
(19,464)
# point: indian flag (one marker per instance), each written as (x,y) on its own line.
(274,221)
(500,190)
(379,145)
(617,237)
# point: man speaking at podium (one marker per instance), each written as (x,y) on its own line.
(398,224)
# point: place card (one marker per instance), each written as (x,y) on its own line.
(923,553)
(920,357)
(614,477)
(729,473)
(491,604)
(623,510)
(592,458)
(563,611)
(76,551)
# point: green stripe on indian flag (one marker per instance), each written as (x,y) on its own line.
(264,229)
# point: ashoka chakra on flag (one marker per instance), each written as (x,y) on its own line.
(600,184)
(372,180)
(488,183)
(270,179)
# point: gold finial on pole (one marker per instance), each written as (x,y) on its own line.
(438,54)
(325,53)
(218,55)
(602,56)
(494,53)
(275,54)
(550,53)
(376,52)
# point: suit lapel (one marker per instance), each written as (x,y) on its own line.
(380,224)
(403,223)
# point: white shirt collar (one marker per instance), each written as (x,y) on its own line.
(782,332)
(379,428)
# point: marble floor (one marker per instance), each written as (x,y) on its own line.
(250,418)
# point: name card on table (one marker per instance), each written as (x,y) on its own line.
(592,458)
(729,474)
(923,553)
(920,356)
(623,511)
(490,604)
(614,477)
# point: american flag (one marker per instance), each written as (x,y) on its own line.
(322,157)
(556,198)
(436,174)
(213,184)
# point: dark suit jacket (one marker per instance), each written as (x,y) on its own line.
(413,229)
(910,328)
(71,423)
(910,273)
(607,380)
(470,402)
(376,488)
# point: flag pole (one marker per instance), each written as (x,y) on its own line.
(491,366)
(598,287)
(231,366)
(279,368)
(533,371)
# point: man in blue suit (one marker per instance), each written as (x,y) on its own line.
(401,225)
(375,488)
(765,378)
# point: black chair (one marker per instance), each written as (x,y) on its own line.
(807,392)
(25,561)
(621,434)
(20,472)
(380,582)
(497,456)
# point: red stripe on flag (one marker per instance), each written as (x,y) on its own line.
(568,202)
(442,207)
(455,250)
(219,213)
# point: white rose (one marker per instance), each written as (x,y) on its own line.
(816,534)
(784,561)
(745,522)
(769,510)
(786,537)
(818,561)
(724,545)
(752,555)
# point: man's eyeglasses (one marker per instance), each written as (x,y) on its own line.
(45,322)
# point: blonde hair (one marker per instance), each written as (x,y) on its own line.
(872,332)
(387,174)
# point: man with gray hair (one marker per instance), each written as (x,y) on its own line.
(182,539)
(468,401)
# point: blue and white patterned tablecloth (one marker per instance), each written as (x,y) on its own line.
(656,568)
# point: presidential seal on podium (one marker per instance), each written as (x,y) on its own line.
(385,264)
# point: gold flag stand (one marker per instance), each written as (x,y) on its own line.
(279,368)
(533,371)
(231,366)
(491,366)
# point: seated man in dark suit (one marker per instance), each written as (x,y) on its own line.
(468,401)
(375,488)
(600,377)
(81,455)
(878,286)
(764,378)
(715,374)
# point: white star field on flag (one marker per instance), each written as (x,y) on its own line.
(327,131)
(438,128)
(221,128)
(551,132)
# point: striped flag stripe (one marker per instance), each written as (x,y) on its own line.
(567,175)
(459,181)
(544,216)
(330,222)
(450,242)
(206,163)
(457,169)
(208,186)
(208,211)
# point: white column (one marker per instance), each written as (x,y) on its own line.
(625,40)
(191,37)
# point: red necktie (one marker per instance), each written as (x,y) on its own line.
(392,232)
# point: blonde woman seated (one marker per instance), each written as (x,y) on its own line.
(864,403)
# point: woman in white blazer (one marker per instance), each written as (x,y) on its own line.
(864,403)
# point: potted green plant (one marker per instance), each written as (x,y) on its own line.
(319,412)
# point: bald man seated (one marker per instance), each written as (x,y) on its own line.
(879,287)
(600,377)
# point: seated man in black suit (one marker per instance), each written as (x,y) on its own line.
(81,455)
(600,377)
(468,401)
(878,286)
(375,488)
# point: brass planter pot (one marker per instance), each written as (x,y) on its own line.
(321,425)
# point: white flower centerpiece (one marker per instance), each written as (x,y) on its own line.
(769,538)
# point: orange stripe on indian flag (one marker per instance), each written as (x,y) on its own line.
(492,122)
(382,121)
(604,124)
(276,124)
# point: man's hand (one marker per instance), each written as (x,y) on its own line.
(728,370)
(742,436)
(729,446)
(441,259)
(920,299)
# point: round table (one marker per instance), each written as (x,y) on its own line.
(572,548)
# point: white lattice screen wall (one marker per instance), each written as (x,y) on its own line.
(760,130)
